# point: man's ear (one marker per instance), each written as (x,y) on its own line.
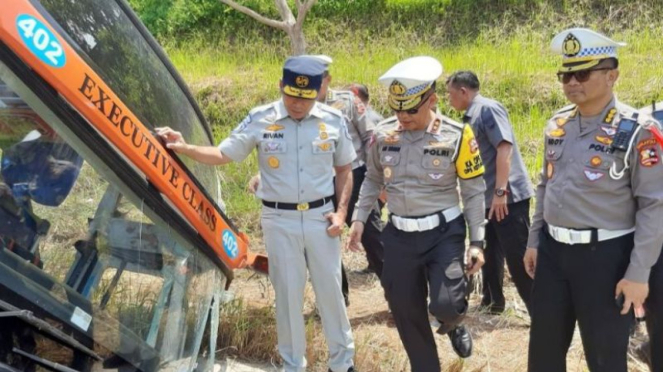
(613,75)
(433,99)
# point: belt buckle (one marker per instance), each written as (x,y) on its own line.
(302,207)
(564,236)
(411,225)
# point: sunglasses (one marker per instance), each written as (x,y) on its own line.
(581,76)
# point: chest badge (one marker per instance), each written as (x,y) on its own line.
(274,128)
(596,161)
(561,121)
(437,162)
(394,138)
(550,170)
(559,132)
(387,172)
(593,176)
(609,131)
(435,176)
(326,146)
(273,162)
(604,140)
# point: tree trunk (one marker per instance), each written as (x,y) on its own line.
(293,27)
(297,40)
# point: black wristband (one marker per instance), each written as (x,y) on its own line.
(477,243)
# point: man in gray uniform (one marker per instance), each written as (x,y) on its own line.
(300,144)
(421,158)
(360,128)
(508,189)
(361,92)
(597,229)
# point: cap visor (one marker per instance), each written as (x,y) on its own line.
(300,93)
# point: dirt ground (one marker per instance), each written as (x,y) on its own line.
(500,342)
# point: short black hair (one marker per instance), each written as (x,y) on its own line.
(361,91)
(464,79)
(612,62)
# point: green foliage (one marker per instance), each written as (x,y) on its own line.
(506,42)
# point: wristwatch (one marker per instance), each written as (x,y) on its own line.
(477,243)
(500,192)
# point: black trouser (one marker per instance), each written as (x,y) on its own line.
(654,308)
(506,239)
(577,283)
(413,262)
(372,230)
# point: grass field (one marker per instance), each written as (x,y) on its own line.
(505,42)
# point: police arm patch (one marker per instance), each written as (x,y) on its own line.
(468,162)
(242,126)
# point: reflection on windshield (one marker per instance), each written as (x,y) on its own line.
(119,288)
(117,51)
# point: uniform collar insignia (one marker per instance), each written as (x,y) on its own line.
(434,126)
(610,116)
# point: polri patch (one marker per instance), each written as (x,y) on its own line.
(648,153)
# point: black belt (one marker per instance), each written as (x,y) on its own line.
(297,207)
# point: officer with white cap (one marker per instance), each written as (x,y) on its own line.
(421,157)
(300,145)
(597,229)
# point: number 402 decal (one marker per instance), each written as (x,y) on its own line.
(40,40)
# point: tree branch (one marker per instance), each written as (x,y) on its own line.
(281,25)
(284,11)
(303,9)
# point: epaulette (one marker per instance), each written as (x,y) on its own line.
(452,123)
(263,109)
(565,110)
(393,120)
(331,110)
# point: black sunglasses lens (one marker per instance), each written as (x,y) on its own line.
(583,76)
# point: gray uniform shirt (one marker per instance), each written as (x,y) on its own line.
(360,125)
(295,158)
(576,190)
(373,115)
(421,172)
(490,123)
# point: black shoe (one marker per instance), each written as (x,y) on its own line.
(493,308)
(461,341)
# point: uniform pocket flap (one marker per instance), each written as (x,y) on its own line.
(324,147)
(390,158)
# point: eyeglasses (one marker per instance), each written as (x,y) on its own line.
(581,76)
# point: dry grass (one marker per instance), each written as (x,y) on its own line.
(500,342)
